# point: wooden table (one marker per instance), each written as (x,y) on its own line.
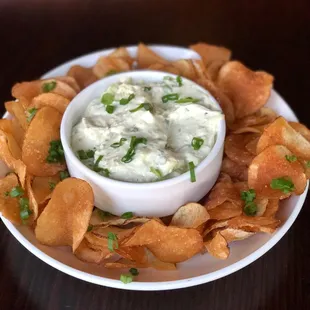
(274,35)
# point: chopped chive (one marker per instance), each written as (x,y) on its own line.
(103,214)
(283,184)
(110,109)
(179,80)
(112,242)
(55,152)
(25,212)
(125,101)
(16,191)
(64,175)
(290,158)
(90,227)
(192,171)
(90,153)
(82,154)
(126,278)
(6,194)
(128,157)
(187,99)
(250,209)
(145,105)
(248,196)
(134,271)
(170,97)
(197,143)
(118,144)
(32,112)
(107,99)
(127,215)
(146,88)
(96,168)
(52,185)
(49,86)
(308,164)
(156,172)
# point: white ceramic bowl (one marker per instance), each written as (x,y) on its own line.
(201,268)
(144,199)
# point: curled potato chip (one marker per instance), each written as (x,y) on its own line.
(191,215)
(9,207)
(146,57)
(235,148)
(225,211)
(64,221)
(70,81)
(217,246)
(214,225)
(271,208)
(33,204)
(234,170)
(16,109)
(280,132)
(37,142)
(55,101)
(87,254)
(169,244)
(272,164)
(233,234)
(248,90)
(83,76)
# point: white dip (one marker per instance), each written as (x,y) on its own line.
(167,130)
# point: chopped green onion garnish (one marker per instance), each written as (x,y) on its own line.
(197,143)
(24,208)
(111,72)
(128,157)
(32,112)
(107,98)
(187,99)
(64,175)
(192,171)
(86,154)
(112,242)
(110,109)
(156,172)
(6,194)
(134,271)
(103,214)
(146,88)
(90,227)
(179,80)
(145,105)
(248,196)
(118,144)
(16,191)
(126,278)
(49,86)
(96,168)
(308,164)
(170,97)
(290,158)
(250,209)
(55,152)
(52,185)
(90,153)
(127,215)
(283,184)
(124,101)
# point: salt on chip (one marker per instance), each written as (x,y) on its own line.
(191,215)
(43,129)
(217,246)
(248,90)
(146,57)
(55,101)
(234,170)
(280,132)
(64,221)
(271,164)
(83,76)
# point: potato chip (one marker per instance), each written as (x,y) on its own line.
(122,52)
(213,69)
(135,253)
(233,234)
(87,254)
(302,129)
(18,132)
(70,81)
(185,68)
(253,129)
(252,145)
(225,211)
(50,100)
(234,170)
(33,204)
(37,142)
(16,109)
(169,244)
(248,90)
(116,221)
(210,53)
(261,204)
(83,76)
(217,246)
(271,208)
(64,221)
(6,125)
(235,148)
(214,225)
(9,207)
(124,264)
(280,132)
(272,164)
(191,215)
(146,57)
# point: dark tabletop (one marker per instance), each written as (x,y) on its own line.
(273,35)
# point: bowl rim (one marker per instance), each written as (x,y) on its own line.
(107,81)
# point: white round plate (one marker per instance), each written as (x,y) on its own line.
(201,268)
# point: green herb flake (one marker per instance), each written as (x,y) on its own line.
(103,214)
(52,185)
(134,271)
(31,113)
(16,191)
(90,227)
(96,168)
(128,157)
(118,144)
(127,215)
(6,194)
(248,196)
(179,80)
(125,101)
(290,158)
(187,100)
(197,143)
(156,172)
(250,209)
(308,164)
(126,278)
(147,88)
(170,97)
(283,184)
(112,242)
(192,171)
(110,109)
(49,86)
(146,106)
(107,99)
(55,152)
(64,175)
(25,212)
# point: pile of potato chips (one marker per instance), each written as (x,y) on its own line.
(266,159)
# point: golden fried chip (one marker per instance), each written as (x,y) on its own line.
(217,246)
(33,204)
(252,146)
(169,244)
(16,109)
(213,225)
(280,132)
(6,125)
(87,254)
(213,69)
(37,142)
(261,204)
(70,81)
(50,100)
(302,129)
(225,211)
(234,170)
(122,52)
(191,215)
(253,129)
(18,132)
(271,208)
(248,90)
(83,76)
(64,221)
(116,221)
(185,68)
(272,164)
(233,234)
(146,57)
(165,68)
(9,207)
